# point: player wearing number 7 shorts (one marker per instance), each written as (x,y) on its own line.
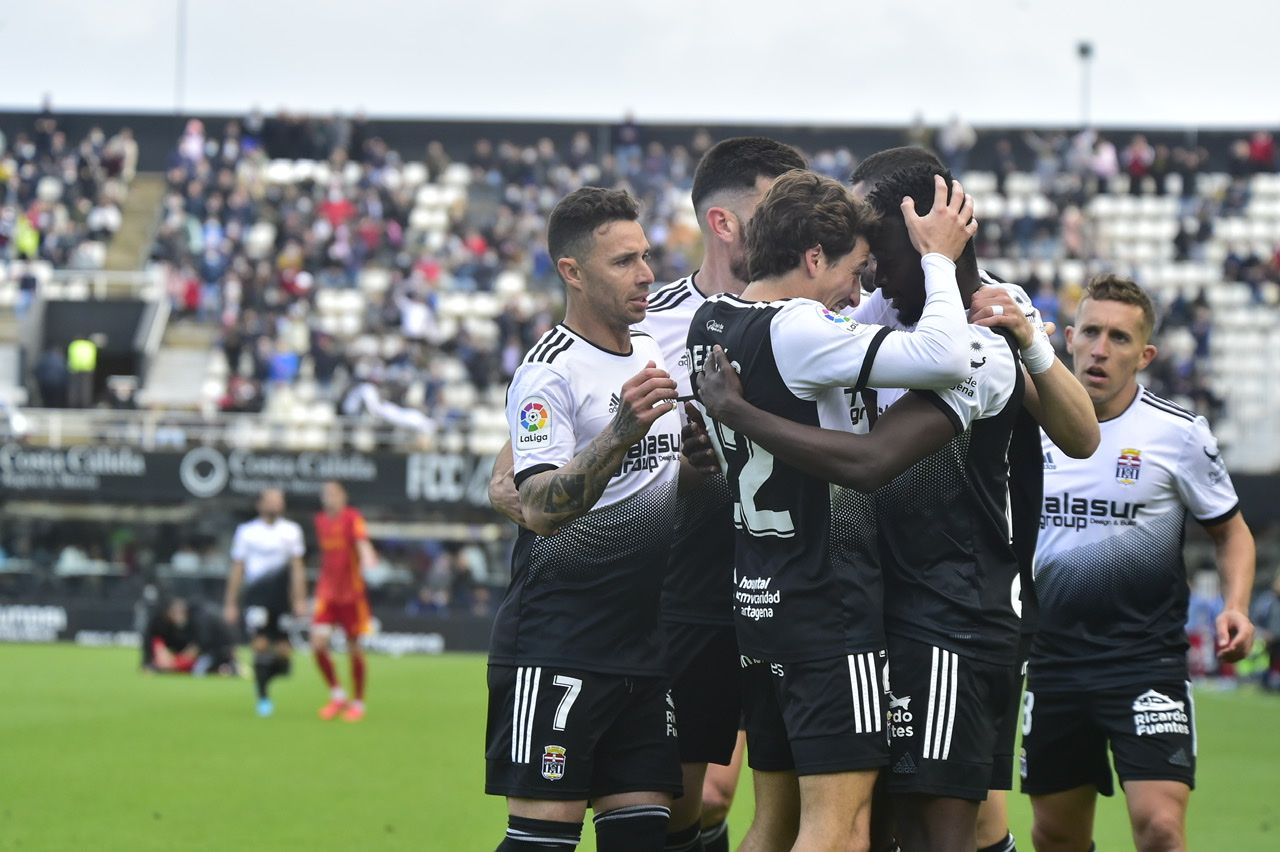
(807,592)
(578,707)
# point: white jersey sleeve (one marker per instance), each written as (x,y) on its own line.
(540,417)
(990,384)
(1202,479)
(875,309)
(817,349)
(239,545)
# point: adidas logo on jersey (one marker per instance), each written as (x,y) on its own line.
(614,402)
(1049,463)
(1179,758)
(906,765)
(1156,713)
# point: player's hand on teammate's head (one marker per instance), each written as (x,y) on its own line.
(645,397)
(1235,636)
(949,224)
(994,307)
(718,385)
(695,442)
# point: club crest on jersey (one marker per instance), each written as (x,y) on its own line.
(1128,466)
(553,762)
(840,320)
(535,424)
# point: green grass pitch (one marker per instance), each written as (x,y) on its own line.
(95,756)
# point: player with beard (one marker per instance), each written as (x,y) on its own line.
(267,569)
(807,591)
(697,595)
(950,621)
(1053,398)
(697,602)
(578,707)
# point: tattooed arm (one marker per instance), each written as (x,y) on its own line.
(550,499)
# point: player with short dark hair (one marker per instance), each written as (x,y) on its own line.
(952,589)
(341,601)
(266,564)
(697,599)
(578,707)
(1053,397)
(806,587)
(1109,663)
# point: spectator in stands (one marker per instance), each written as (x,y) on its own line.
(1105,164)
(955,141)
(1265,614)
(82,365)
(185,560)
(1137,160)
(1262,152)
(52,378)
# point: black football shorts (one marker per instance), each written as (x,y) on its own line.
(1007,721)
(567,734)
(266,605)
(1150,727)
(944,711)
(816,717)
(706,685)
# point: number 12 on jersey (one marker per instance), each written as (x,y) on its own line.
(750,467)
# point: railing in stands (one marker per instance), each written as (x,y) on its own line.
(176,431)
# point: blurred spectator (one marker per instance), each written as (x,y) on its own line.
(1265,614)
(82,365)
(1262,152)
(185,560)
(1137,159)
(955,141)
(1105,164)
(52,378)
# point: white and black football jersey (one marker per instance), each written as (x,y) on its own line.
(587,596)
(266,549)
(950,572)
(1025,482)
(1109,570)
(699,584)
(806,580)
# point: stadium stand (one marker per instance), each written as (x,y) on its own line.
(320,291)
(407,291)
(61,201)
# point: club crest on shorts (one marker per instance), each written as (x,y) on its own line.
(535,424)
(553,762)
(1128,466)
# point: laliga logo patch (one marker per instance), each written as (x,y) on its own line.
(553,762)
(535,424)
(1128,466)
(836,319)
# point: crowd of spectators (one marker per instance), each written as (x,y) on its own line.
(60,198)
(260,284)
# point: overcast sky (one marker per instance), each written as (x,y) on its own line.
(856,61)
